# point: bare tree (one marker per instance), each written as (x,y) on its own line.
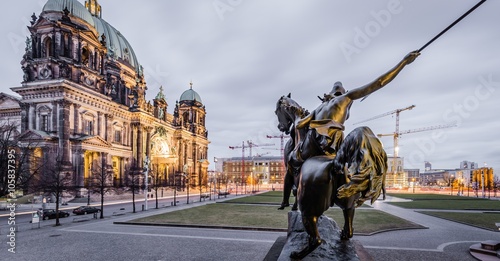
(55,181)
(156,181)
(133,181)
(20,160)
(101,181)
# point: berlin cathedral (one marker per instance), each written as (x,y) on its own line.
(82,104)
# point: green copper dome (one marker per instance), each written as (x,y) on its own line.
(116,43)
(74,7)
(190,95)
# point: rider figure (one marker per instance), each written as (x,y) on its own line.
(329,117)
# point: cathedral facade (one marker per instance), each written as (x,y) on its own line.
(82,102)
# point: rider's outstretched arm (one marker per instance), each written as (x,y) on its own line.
(383,79)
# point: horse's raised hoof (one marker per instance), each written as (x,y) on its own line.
(307,250)
(283,206)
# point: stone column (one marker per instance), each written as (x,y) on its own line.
(54,116)
(31,116)
(139,147)
(148,141)
(24,116)
(108,127)
(99,123)
(76,113)
(79,163)
(64,144)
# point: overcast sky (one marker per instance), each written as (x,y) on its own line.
(242,55)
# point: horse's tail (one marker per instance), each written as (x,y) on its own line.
(362,156)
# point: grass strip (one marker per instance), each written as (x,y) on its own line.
(370,221)
(455,204)
(223,215)
(238,215)
(483,220)
(431,196)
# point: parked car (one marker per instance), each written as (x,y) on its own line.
(83,210)
(51,214)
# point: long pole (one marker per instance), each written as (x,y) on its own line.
(451,25)
(146,168)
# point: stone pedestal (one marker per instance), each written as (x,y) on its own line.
(487,250)
(331,249)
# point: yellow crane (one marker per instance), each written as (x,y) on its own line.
(282,141)
(396,134)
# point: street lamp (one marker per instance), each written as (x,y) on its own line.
(413,185)
(146,168)
(187,185)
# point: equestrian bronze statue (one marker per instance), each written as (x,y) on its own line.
(326,168)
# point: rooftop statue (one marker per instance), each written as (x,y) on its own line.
(325,168)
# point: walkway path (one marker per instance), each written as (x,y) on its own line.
(443,240)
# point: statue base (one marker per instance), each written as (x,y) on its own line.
(332,248)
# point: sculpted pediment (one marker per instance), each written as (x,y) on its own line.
(34,135)
(94,140)
(8,102)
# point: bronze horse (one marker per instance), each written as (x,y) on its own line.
(356,173)
(298,148)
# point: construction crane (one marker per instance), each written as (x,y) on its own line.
(251,144)
(243,147)
(262,154)
(388,113)
(419,130)
(282,137)
(396,132)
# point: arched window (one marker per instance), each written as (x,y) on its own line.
(47,47)
(85,55)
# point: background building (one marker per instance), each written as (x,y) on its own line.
(248,171)
(82,104)
(396,177)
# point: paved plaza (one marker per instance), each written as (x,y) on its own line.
(101,239)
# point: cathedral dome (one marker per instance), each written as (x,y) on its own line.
(116,43)
(73,6)
(190,95)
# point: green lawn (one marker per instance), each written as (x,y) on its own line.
(485,220)
(366,221)
(369,221)
(224,215)
(272,197)
(428,196)
(449,202)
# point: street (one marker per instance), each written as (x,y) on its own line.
(100,239)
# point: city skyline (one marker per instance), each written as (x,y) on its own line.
(242,56)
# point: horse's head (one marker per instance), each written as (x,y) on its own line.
(287,111)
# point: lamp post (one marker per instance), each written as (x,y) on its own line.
(146,168)
(187,185)
(175,189)
(413,185)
